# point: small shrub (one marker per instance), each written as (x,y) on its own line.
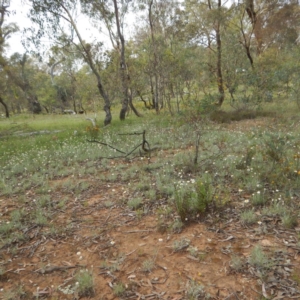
(40,218)
(180,245)
(93,132)
(183,203)
(16,219)
(194,199)
(275,209)
(177,226)
(193,251)
(148,265)
(247,160)
(236,263)
(204,195)
(289,221)
(119,289)
(44,201)
(85,283)
(258,199)
(15,294)
(248,217)
(6,228)
(135,203)
(275,147)
(259,259)
(108,203)
(195,291)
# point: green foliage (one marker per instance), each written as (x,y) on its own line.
(148,265)
(119,289)
(289,221)
(258,199)
(259,259)
(195,291)
(40,218)
(183,203)
(221,116)
(135,203)
(15,293)
(191,200)
(6,228)
(204,194)
(247,160)
(193,251)
(236,263)
(275,146)
(248,217)
(181,244)
(85,283)
(93,132)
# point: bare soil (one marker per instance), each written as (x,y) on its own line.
(114,243)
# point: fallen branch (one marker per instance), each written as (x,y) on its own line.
(136,231)
(144,145)
(104,144)
(50,269)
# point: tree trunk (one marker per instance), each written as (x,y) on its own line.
(155,60)
(132,106)
(5,107)
(34,105)
(124,76)
(106,107)
(219,61)
(85,51)
(257,24)
(145,103)
(46,109)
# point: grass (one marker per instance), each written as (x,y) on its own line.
(135,203)
(222,116)
(148,265)
(236,263)
(259,259)
(85,283)
(181,244)
(195,291)
(63,168)
(248,217)
(119,289)
(289,221)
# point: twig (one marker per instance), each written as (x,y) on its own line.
(130,252)
(57,268)
(133,133)
(104,144)
(197,148)
(106,219)
(256,291)
(34,247)
(133,150)
(136,231)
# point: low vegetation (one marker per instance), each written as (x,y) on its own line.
(68,186)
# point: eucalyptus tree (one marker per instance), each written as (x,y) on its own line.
(207,22)
(63,63)
(3,87)
(161,47)
(113,14)
(274,22)
(19,78)
(86,92)
(55,17)
(5,31)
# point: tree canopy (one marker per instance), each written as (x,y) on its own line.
(151,54)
